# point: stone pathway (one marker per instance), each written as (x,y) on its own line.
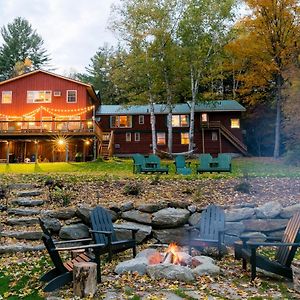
(19,219)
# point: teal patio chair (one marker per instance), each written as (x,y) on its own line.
(182,167)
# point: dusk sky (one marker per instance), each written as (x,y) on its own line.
(72,30)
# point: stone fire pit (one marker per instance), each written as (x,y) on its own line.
(159,265)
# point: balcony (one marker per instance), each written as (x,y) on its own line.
(49,128)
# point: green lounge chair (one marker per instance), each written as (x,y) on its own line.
(182,167)
(224,162)
(204,165)
(150,164)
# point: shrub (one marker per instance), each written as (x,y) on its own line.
(132,189)
(61,196)
(243,187)
(155,180)
(292,156)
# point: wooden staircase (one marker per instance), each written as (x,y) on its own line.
(106,144)
(229,136)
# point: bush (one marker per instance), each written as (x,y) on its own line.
(61,196)
(243,187)
(292,156)
(155,180)
(134,189)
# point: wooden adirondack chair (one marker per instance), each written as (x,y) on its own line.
(154,161)
(224,162)
(211,230)
(103,233)
(63,271)
(204,163)
(182,167)
(284,255)
(150,164)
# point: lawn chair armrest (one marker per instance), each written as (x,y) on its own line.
(127,228)
(254,244)
(91,246)
(72,241)
(107,233)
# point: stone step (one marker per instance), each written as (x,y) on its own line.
(28,202)
(23,235)
(29,193)
(21,186)
(22,221)
(20,247)
(23,212)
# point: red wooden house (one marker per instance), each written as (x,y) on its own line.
(47,116)
(217,127)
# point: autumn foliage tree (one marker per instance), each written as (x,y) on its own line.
(264,49)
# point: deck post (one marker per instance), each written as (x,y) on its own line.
(95,148)
(36,151)
(7,152)
(67,152)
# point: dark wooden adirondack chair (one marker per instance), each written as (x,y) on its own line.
(103,233)
(62,272)
(182,167)
(211,230)
(284,255)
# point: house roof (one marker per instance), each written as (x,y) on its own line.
(182,108)
(89,87)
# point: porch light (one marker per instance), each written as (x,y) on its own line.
(61,141)
(87,142)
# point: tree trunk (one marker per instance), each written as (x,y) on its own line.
(170,129)
(194,88)
(278,97)
(152,121)
(85,279)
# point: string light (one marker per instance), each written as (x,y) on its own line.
(53,111)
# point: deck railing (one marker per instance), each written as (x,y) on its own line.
(38,126)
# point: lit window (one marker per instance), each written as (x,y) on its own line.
(121,121)
(6,97)
(235,123)
(214,136)
(204,118)
(72,96)
(137,136)
(141,120)
(161,138)
(39,96)
(128,136)
(184,137)
(180,121)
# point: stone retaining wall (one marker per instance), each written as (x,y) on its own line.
(165,223)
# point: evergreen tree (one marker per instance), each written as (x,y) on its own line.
(21,43)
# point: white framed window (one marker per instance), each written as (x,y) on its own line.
(71,96)
(235,123)
(180,120)
(128,136)
(141,119)
(121,121)
(204,118)
(184,138)
(6,97)
(214,136)
(161,138)
(137,136)
(39,96)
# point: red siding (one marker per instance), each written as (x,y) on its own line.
(41,81)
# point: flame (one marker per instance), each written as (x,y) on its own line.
(174,249)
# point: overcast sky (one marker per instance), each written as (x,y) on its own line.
(72,30)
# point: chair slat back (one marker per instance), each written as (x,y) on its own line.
(285,255)
(205,160)
(54,255)
(224,160)
(139,159)
(152,158)
(180,161)
(101,220)
(212,220)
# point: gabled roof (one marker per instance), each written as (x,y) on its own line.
(182,108)
(89,87)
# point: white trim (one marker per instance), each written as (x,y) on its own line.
(141,119)
(128,137)
(137,136)
(39,91)
(7,92)
(67,96)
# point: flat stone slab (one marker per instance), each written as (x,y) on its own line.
(22,221)
(73,232)
(137,216)
(23,235)
(29,193)
(28,202)
(23,212)
(21,186)
(62,214)
(265,224)
(170,217)
(20,248)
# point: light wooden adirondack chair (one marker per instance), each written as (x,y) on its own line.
(211,230)
(286,250)
(104,233)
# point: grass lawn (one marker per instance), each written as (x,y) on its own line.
(254,167)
